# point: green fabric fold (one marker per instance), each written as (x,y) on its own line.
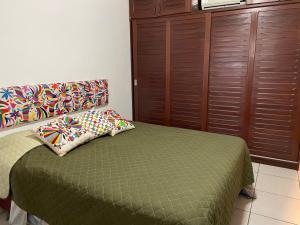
(12,148)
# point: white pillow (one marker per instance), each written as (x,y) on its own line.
(63,135)
(120,123)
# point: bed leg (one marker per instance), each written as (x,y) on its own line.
(249,191)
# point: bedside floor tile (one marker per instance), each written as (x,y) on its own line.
(277,171)
(3,218)
(278,185)
(261,220)
(277,207)
(255,177)
(255,167)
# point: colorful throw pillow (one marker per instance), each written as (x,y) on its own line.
(94,122)
(120,123)
(63,135)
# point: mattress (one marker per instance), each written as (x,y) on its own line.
(152,175)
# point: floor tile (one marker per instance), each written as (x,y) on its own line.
(255,177)
(3,218)
(240,217)
(277,207)
(277,171)
(278,185)
(255,167)
(262,220)
(243,203)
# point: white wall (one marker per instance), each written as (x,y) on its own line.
(67,40)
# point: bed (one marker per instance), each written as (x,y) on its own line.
(151,175)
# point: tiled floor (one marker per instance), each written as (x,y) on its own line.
(3,217)
(277,203)
(278,198)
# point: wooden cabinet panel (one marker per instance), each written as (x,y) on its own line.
(229,56)
(187,55)
(154,8)
(174,6)
(275,98)
(150,59)
(143,8)
(236,73)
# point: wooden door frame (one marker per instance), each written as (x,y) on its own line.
(134,67)
(168,73)
(250,74)
(206,64)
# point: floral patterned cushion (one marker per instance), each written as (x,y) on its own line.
(94,122)
(120,123)
(63,135)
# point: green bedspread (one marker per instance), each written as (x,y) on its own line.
(152,175)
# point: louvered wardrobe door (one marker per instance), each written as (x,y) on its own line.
(187,49)
(229,55)
(150,59)
(275,98)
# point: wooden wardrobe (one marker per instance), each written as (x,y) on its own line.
(233,72)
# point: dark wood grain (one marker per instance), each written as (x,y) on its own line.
(229,56)
(206,71)
(187,52)
(267,5)
(249,82)
(151,70)
(174,6)
(143,8)
(224,11)
(155,8)
(275,100)
(275,162)
(134,41)
(232,71)
(168,74)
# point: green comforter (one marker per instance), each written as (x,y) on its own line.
(152,175)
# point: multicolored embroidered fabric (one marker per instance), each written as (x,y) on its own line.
(21,104)
(94,122)
(63,134)
(120,123)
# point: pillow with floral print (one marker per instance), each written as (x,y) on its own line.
(94,122)
(119,122)
(63,135)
